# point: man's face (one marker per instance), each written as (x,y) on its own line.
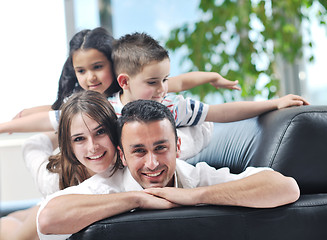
(150,152)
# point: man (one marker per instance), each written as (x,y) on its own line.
(154,179)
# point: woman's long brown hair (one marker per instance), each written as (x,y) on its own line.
(96,106)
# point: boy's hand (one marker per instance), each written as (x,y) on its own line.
(221,82)
(290,100)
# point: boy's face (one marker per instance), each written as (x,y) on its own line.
(151,83)
(93,70)
(150,152)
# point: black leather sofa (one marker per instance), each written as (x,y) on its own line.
(292,141)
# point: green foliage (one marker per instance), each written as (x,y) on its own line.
(241,39)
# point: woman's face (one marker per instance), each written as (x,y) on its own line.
(91,144)
(93,70)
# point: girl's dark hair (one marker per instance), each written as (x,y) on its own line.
(98,39)
(96,106)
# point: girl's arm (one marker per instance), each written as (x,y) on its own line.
(38,122)
(29,111)
(192,79)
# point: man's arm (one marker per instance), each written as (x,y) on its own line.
(265,189)
(69,214)
(38,122)
(235,111)
(193,79)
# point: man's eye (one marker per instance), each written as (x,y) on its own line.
(139,150)
(161,148)
(165,79)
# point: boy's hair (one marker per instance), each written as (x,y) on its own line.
(144,111)
(98,39)
(96,106)
(132,52)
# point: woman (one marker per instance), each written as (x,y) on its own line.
(87,142)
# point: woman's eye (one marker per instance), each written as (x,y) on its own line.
(78,139)
(165,79)
(151,83)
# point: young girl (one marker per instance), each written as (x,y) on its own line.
(89,66)
(87,141)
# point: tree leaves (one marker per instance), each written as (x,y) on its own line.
(240,39)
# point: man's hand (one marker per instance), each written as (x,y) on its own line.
(175,195)
(151,201)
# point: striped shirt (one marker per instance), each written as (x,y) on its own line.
(186,111)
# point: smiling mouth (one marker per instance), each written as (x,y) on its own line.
(95,85)
(97,157)
(153,174)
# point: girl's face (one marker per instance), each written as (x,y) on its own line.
(93,70)
(91,144)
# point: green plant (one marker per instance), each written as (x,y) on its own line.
(240,39)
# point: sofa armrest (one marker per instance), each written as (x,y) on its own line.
(293,141)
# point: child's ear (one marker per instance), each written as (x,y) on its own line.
(122,156)
(123,80)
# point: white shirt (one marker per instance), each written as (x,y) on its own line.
(186,176)
(36,152)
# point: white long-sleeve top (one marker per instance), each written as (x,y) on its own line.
(36,152)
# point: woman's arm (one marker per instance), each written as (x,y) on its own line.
(192,79)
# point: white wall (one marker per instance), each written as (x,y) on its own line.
(16,182)
(33,50)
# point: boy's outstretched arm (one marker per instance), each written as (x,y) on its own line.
(38,122)
(192,79)
(236,111)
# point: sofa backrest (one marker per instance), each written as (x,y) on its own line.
(292,141)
